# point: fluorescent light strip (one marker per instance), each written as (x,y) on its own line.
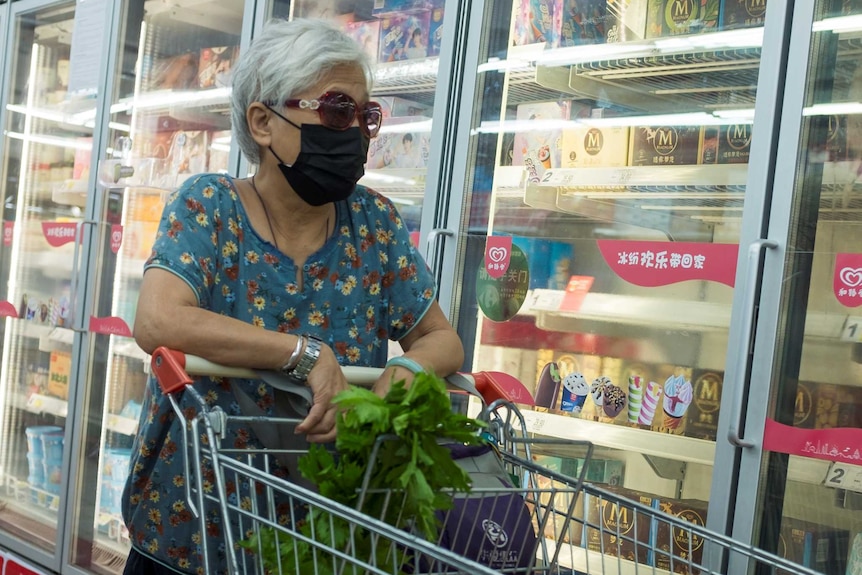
(412,127)
(833,109)
(839,24)
(70,143)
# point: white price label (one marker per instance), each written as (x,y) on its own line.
(852,330)
(844,476)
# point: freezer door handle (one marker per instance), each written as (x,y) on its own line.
(755,258)
(431,242)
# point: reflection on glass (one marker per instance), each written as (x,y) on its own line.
(403,39)
(45,166)
(811,508)
(611,146)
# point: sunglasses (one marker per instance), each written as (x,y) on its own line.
(338,111)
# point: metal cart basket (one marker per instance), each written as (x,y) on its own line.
(576,527)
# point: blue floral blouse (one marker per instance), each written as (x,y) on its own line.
(365,286)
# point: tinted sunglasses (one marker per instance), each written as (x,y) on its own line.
(338,111)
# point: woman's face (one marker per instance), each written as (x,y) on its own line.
(348,79)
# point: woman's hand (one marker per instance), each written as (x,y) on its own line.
(325,380)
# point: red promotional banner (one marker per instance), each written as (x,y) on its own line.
(8,230)
(498,253)
(651,264)
(59,233)
(110,326)
(842,444)
(116,237)
(847,281)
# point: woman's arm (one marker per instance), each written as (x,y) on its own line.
(432,343)
(168,315)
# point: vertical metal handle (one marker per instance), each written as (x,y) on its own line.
(431,242)
(755,257)
(78,320)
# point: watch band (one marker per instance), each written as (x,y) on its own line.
(307,360)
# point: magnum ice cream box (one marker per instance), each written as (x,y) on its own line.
(742,13)
(665,145)
(677,548)
(681,17)
(702,418)
(619,529)
(593,147)
(726,144)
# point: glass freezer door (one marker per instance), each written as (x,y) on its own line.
(49,109)
(168,119)
(804,430)
(608,168)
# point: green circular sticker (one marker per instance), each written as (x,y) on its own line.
(501,298)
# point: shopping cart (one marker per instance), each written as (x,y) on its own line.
(576,528)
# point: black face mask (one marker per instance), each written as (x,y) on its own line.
(329,164)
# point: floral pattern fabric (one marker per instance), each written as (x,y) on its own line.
(365,286)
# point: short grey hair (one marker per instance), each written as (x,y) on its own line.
(286,59)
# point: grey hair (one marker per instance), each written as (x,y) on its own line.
(286,59)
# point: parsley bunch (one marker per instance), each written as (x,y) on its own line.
(413,475)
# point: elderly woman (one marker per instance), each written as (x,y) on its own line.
(296,269)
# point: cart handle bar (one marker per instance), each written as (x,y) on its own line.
(173,369)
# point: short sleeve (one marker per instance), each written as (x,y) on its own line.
(188,237)
(411,286)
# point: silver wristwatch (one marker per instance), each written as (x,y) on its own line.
(307,360)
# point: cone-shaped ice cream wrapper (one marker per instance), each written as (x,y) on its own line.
(636,393)
(649,403)
(678,394)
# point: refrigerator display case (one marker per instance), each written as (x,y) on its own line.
(619,170)
(48,121)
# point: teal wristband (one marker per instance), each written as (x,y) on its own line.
(406,363)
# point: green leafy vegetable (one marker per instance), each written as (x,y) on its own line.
(412,475)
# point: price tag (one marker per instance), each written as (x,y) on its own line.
(852,330)
(844,476)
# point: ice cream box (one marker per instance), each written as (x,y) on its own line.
(590,147)
(404,148)
(837,406)
(607,471)
(630,18)
(665,146)
(539,149)
(396,107)
(215,65)
(404,36)
(537,21)
(390,7)
(622,526)
(742,13)
(568,466)
(144,207)
(796,541)
(677,395)
(670,540)
(585,22)
(324,9)
(702,418)
(681,17)
(59,371)
(567,508)
(178,72)
(435,29)
(366,33)
(804,406)
(734,144)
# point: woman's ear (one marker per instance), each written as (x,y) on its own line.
(257,115)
